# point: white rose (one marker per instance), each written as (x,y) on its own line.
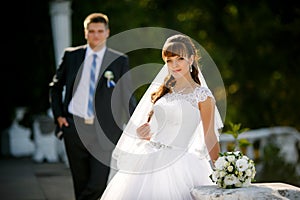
(245,157)
(248,172)
(215,176)
(230,179)
(222,174)
(247,182)
(230,168)
(226,164)
(231,158)
(219,164)
(240,174)
(242,164)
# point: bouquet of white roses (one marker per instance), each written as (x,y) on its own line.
(233,170)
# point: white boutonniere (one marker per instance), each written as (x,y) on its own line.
(109,75)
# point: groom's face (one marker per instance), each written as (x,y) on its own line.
(96,35)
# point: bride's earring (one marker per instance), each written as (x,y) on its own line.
(191,68)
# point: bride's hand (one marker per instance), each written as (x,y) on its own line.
(144,131)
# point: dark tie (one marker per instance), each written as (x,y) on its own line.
(92,87)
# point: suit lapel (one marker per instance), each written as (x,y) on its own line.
(79,65)
(107,60)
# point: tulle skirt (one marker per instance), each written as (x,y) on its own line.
(174,179)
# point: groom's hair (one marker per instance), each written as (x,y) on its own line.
(96,18)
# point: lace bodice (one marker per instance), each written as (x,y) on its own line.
(176,116)
(199,94)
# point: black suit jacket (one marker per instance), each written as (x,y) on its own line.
(68,75)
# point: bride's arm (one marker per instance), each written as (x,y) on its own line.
(144,131)
(207,110)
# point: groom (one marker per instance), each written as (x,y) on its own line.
(81,100)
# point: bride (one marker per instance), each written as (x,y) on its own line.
(174,149)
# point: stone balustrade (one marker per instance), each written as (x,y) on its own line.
(261,191)
(287,138)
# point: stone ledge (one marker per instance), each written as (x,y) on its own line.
(274,191)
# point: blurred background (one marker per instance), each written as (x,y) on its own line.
(255,45)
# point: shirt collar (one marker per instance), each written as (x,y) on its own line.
(99,53)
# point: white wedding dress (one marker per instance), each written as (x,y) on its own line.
(166,168)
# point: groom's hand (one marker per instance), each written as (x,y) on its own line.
(144,131)
(62,121)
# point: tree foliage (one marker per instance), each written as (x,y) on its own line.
(255,45)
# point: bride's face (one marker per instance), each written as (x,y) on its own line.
(178,66)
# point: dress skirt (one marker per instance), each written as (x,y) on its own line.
(164,174)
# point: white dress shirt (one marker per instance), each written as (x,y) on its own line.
(79,103)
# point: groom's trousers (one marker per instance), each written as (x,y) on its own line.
(89,174)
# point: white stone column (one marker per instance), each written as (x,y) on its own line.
(60,12)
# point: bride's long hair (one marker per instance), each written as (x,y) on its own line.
(182,46)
